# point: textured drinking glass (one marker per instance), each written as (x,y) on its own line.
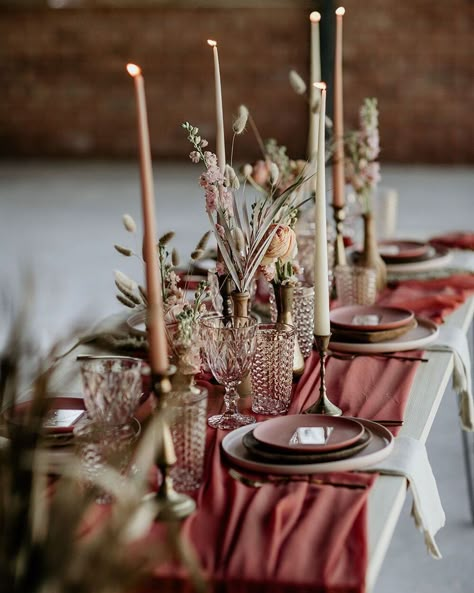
(303,316)
(272,368)
(112,388)
(187,413)
(98,445)
(229,346)
(356,285)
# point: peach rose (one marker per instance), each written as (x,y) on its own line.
(282,246)
(261,173)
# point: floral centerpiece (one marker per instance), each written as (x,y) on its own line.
(181,315)
(244,232)
(362,171)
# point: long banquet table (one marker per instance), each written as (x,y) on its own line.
(386,496)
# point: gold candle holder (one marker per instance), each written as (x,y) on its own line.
(323,405)
(171,505)
(339,251)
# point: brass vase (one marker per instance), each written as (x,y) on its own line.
(370,257)
(284,306)
(241,301)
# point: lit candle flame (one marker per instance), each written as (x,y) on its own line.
(211,42)
(340,11)
(320,85)
(134,70)
(315,17)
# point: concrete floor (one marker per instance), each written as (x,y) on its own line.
(61,219)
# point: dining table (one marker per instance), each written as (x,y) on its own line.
(330,535)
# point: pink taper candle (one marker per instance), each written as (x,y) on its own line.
(321,286)
(338,160)
(220,140)
(156,326)
(315,76)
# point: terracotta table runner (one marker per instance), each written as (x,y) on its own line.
(302,537)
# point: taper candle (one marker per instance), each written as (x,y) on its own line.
(338,159)
(156,326)
(220,139)
(321,286)
(315,76)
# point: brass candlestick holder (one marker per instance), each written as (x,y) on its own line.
(339,251)
(323,405)
(171,505)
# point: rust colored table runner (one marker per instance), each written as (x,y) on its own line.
(298,536)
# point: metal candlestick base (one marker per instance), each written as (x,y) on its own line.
(171,506)
(323,405)
(339,251)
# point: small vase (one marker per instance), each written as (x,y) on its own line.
(284,306)
(370,257)
(225,290)
(186,357)
(241,301)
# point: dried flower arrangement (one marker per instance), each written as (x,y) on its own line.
(181,313)
(47,540)
(243,233)
(362,147)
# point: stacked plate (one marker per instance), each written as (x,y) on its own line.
(308,443)
(372,328)
(412,256)
(64,413)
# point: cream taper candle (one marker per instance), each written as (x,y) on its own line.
(315,76)
(338,159)
(220,139)
(321,287)
(156,325)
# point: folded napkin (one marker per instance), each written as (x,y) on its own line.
(452,339)
(410,460)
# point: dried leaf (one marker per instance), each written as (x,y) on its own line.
(129,223)
(297,83)
(127,293)
(175,258)
(142,291)
(197,254)
(203,240)
(125,301)
(123,250)
(166,238)
(241,120)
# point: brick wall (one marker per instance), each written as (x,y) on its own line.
(65,90)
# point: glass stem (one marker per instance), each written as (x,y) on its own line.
(231,398)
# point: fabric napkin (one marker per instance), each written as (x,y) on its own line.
(452,339)
(410,460)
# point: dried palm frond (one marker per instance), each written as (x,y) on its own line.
(47,541)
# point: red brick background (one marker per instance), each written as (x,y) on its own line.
(65,90)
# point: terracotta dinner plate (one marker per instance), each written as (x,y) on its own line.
(308,432)
(436,257)
(264,453)
(363,317)
(379,447)
(422,335)
(63,415)
(400,250)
